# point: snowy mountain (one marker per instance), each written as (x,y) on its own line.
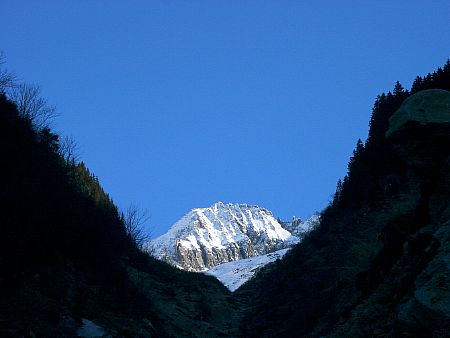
(299,228)
(207,237)
(234,274)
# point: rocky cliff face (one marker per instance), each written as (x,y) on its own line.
(379,263)
(427,107)
(413,297)
(299,228)
(424,144)
(207,237)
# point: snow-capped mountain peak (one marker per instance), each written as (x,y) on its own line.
(206,237)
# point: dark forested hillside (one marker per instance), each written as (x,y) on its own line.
(376,264)
(65,254)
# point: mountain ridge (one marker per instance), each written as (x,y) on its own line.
(224,232)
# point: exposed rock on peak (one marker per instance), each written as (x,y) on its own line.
(299,228)
(207,237)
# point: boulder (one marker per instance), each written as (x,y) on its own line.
(425,107)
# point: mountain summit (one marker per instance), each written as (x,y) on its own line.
(206,237)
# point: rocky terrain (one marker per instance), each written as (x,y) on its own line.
(207,237)
(378,264)
(299,228)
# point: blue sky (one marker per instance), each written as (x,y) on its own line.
(179,104)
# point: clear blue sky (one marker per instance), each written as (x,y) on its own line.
(179,104)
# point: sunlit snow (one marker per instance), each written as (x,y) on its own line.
(217,227)
(234,274)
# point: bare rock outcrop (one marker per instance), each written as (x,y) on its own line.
(424,107)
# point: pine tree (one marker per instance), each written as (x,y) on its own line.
(338,193)
(356,157)
(398,89)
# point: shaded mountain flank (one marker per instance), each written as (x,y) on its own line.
(377,265)
(66,258)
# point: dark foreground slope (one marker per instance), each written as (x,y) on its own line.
(65,254)
(378,265)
